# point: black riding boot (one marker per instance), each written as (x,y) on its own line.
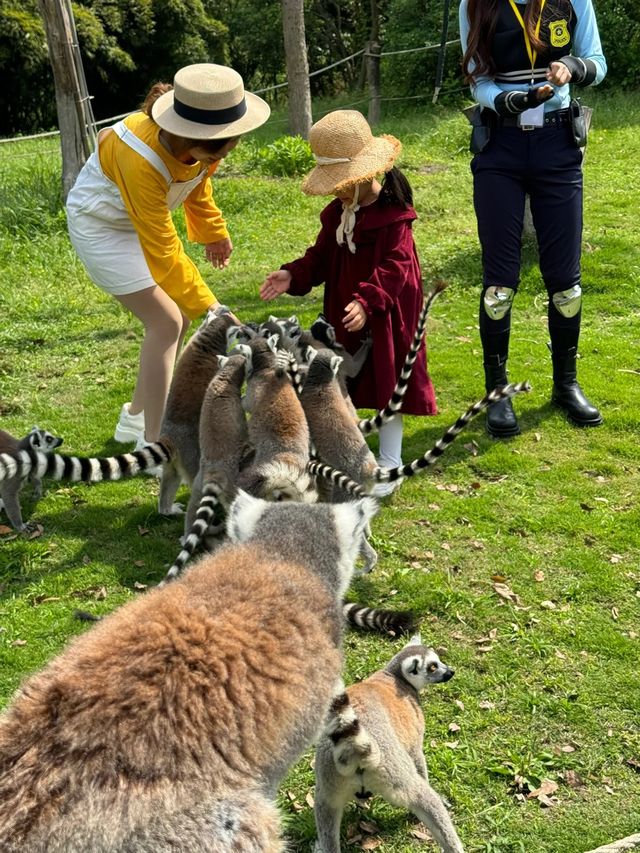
(567,393)
(501,419)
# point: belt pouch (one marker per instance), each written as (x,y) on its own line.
(480,132)
(580,119)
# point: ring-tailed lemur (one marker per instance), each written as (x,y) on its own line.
(186,748)
(373,744)
(37,439)
(369,425)
(195,368)
(277,429)
(351,485)
(224,442)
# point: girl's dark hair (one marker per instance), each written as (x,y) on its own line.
(396,189)
(482,16)
(211,146)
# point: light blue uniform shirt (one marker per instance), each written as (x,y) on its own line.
(585,44)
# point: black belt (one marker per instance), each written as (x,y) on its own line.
(553,118)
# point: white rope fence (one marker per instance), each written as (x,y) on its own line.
(362,52)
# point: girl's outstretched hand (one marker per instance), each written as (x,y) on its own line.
(275,284)
(354,316)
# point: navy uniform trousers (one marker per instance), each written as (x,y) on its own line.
(546,164)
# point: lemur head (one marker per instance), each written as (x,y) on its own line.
(260,353)
(419,665)
(323,366)
(42,440)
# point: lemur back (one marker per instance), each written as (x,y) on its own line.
(224,443)
(278,429)
(37,440)
(176,736)
(196,367)
(373,744)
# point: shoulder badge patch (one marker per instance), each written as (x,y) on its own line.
(559,32)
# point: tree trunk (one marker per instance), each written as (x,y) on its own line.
(373,64)
(75,135)
(295,47)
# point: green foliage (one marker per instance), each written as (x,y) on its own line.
(286,157)
(619,27)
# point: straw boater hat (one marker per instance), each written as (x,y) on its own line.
(347,153)
(209,102)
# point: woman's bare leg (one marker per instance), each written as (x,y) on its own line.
(164,329)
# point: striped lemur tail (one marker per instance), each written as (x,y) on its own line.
(85,469)
(369,425)
(352,747)
(386,621)
(210,499)
(384,475)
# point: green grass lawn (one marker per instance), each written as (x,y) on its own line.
(547,683)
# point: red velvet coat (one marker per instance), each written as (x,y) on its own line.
(384,276)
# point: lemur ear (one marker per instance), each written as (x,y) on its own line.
(222,360)
(416,640)
(336,361)
(293,320)
(272,342)
(309,354)
(245,350)
(244,513)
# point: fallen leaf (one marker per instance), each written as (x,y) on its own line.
(368,826)
(4,529)
(537,436)
(371,844)
(486,705)
(459,703)
(138,585)
(420,834)
(539,576)
(504,592)
(434,507)
(573,779)
(454,727)
(19,643)
(100,594)
(477,545)
(472,447)
(493,633)
(452,744)
(138,563)
(86,559)
(567,748)
(35,531)
(291,795)
(309,800)
(615,558)
(547,786)
(615,613)
(548,605)
(445,546)
(142,531)
(483,649)
(633,763)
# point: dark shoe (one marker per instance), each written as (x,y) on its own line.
(501,419)
(567,393)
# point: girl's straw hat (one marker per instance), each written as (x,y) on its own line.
(209,102)
(347,153)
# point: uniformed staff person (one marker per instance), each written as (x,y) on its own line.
(519,58)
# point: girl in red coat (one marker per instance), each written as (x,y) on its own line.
(366,257)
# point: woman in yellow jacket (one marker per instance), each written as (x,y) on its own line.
(119,217)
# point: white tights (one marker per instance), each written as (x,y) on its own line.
(390,443)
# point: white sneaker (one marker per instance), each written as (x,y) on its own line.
(156,471)
(383,490)
(129,427)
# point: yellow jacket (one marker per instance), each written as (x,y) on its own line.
(144,192)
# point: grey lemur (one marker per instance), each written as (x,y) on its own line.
(224,443)
(180,427)
(37,439)
(373,744)
(278,429)
(169,725)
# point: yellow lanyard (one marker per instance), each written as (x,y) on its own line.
(533,54)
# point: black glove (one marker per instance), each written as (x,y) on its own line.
(583,71)
(514,103)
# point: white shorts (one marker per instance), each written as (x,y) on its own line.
(102,233)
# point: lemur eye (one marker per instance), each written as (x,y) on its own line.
(432,667)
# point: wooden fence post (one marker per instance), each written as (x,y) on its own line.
(75,116)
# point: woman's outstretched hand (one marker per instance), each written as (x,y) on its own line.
(219,252)
(275,284)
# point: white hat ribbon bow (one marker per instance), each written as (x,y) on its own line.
(348,221)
